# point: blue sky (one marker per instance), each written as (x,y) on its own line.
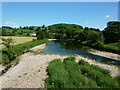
(90,14)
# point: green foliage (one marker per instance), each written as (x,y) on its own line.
(104,71)
(101,76)
(7,42)
(41,34)
(83,62)
(58,73)
(5,59)
(70,74)
(8,54)
(73,33)
(112,32)
(117,78)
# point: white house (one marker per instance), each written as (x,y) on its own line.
(32,34)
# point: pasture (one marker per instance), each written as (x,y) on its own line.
(17,40)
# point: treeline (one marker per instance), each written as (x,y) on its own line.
(71,74)
(85,36)
(70,32)
(91,37)
(21,31)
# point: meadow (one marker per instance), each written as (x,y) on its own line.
(17,40)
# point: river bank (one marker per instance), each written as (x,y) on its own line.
(31,70)
(106,54)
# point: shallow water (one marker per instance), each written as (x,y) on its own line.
(54,47)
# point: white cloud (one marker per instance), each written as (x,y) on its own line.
(107,16)
(12,24)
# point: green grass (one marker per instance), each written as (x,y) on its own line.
(10,54)
(111,47)
(114,46)
(70,74)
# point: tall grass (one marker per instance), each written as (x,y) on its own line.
(70,74)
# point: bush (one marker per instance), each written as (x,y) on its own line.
(83,62)
(57,72)
(85,69)
(117,78)
(107,81)
(5,59)
(104,71)
(10,52)
(69,59)
(66,75)
(70,74)
(19,49)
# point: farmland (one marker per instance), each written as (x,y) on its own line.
(17,40)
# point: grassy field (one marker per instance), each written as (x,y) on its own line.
(17,40)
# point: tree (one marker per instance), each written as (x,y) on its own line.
(7,42)
(10,51)
(41,34)
(43,26)
(112,32)
(32,28)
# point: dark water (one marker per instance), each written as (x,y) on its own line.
(54,47)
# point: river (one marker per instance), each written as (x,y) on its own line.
(54,47)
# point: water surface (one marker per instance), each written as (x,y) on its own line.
(54,47)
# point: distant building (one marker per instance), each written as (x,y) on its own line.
(31,34)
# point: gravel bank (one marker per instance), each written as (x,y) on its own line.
(31,71)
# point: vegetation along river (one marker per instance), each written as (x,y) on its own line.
(63,48)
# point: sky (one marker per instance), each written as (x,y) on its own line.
(87,14)
(60,0)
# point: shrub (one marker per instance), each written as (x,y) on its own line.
(104,71)
(10,53)
(69,59)
(5,59)
(117,78)
(57,72)
(83,62)
(66,75)
(107,81)
(71,74)
(85,69)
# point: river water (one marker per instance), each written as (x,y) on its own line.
(54,47)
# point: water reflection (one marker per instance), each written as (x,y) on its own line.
(55,47)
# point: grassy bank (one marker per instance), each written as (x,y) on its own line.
(111,47)
(70,74)
(10,54)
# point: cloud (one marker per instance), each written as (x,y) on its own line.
(12,24)
(107,16)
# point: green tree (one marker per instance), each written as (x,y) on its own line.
(7,42)
(112,32)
